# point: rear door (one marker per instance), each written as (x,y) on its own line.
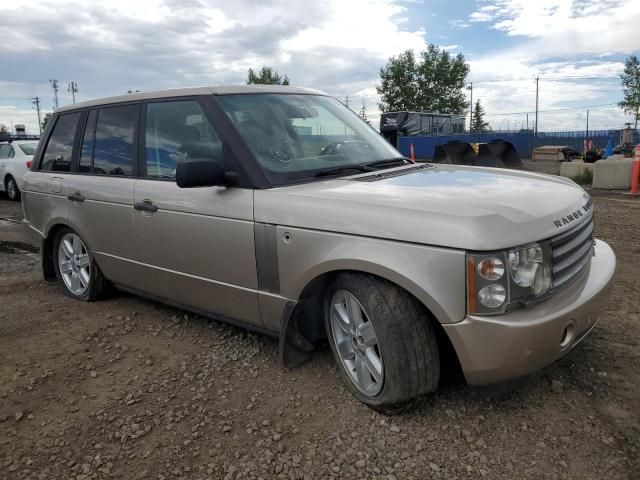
(44,189)
(197,244)
(100,192)
(4,154)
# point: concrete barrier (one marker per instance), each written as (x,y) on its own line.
(575,168)
(614,173)
(548,152)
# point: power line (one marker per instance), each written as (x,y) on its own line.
(554,110)
(555,77)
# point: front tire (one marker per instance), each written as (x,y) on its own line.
(76,270)
(383,340)
(11,187)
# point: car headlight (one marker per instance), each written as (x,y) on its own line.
(500,281)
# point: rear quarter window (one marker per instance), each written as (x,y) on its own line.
(59,150)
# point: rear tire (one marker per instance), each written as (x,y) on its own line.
(76,270)
(11,187)
(395,329)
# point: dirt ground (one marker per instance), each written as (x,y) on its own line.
(127,388)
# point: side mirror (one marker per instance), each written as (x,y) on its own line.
(203,173)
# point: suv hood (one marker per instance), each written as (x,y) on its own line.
(473,208)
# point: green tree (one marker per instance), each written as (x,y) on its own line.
(433,82)
(631,88)
(3,128)
(478,125)
(266,76)
(45,120)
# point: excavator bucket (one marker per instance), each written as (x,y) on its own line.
(455,153)
(487,158)
(498,153)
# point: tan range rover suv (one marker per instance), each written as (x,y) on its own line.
(279,209)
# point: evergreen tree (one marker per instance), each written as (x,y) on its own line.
(631,88)
(45,120)
(266,76)
(478,125)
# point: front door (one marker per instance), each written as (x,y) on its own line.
(196,244)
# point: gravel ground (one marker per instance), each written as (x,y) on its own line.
(128,388)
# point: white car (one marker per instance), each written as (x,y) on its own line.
(15,160)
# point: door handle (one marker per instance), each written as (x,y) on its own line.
(146,206)
(76,197)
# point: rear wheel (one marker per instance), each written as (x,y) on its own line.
(77,272)
(383,341)
(11,187)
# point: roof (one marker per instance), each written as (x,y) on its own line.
(185,92)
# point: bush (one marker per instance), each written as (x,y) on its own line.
(585,178)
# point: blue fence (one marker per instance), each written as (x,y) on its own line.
(524,142)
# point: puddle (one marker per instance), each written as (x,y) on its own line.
(17,247)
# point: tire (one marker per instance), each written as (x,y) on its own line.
(80,277)
(404,336)
(11,188)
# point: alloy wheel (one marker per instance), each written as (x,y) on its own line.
(74,264)
(12,189)
(356,343)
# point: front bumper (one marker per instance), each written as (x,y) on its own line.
(493,349)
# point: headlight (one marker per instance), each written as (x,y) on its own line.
(492,296)
(491,268)
(500,281)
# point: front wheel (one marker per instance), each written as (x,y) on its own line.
(11,187)
(383,341)
(76,270)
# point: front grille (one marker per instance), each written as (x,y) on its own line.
(571,254)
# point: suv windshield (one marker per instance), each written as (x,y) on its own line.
(28,148)
(296,137)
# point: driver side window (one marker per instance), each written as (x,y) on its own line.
(177,131)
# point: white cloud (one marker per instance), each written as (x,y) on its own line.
(565,26)
(111,46)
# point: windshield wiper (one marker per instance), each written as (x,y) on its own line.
(389,162)
(343,168)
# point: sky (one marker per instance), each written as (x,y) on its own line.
(577,49)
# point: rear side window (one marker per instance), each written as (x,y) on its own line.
(57,155)
(113,142)
(28,148)
(177,131)
(4,150)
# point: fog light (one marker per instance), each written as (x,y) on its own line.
(492,296)
(491,269)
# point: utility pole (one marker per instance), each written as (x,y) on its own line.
(54,85)
(536,126)
(363,111)
(587,124)
(36,102)
(73,88)
(470,87)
